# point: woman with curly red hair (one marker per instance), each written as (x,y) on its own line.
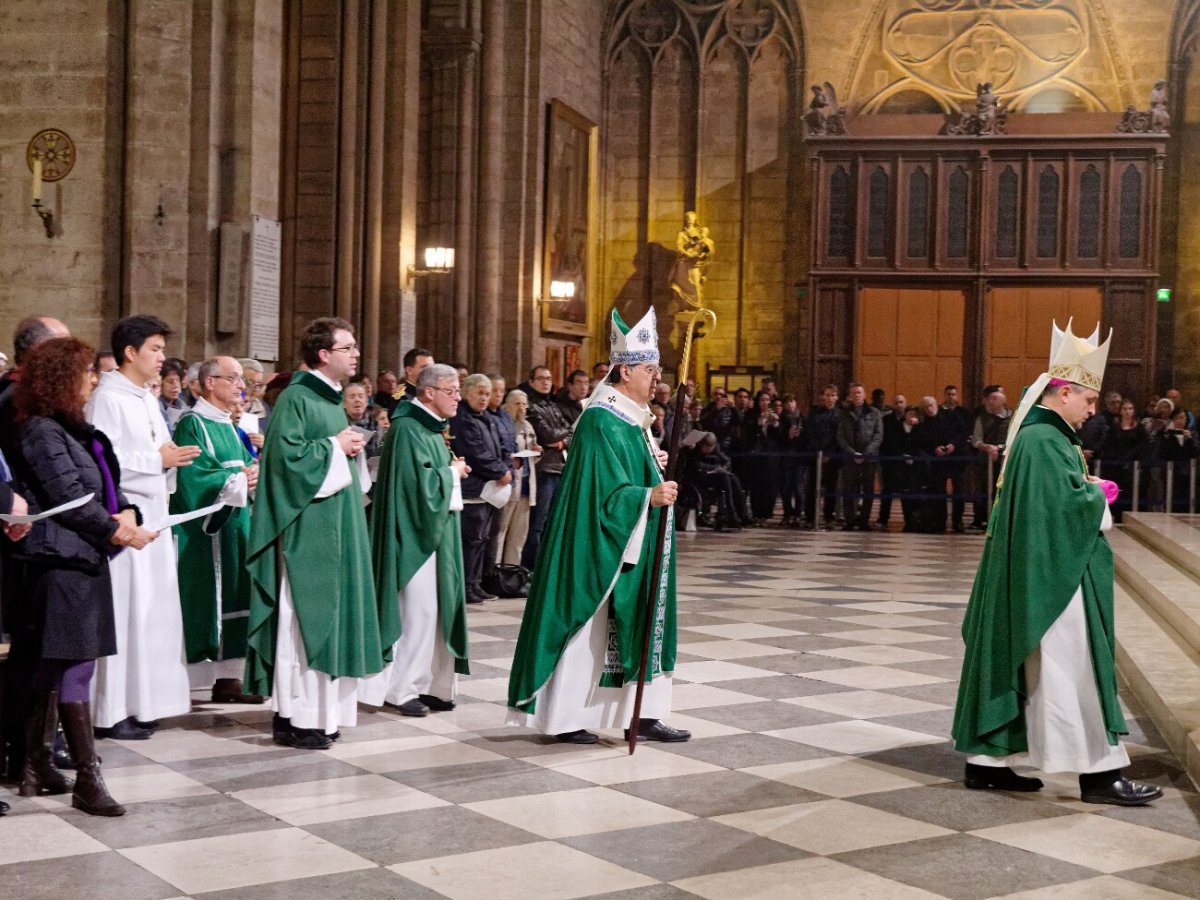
(70,609)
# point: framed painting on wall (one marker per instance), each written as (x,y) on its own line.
(570,207)
(570,360)
(554,364)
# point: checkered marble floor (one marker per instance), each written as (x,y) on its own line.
(817,673)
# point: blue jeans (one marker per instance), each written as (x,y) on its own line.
(547,486)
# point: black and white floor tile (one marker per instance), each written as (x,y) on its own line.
(817,673)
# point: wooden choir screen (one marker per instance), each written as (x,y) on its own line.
(1019,228)
(909,340)
(1018,329)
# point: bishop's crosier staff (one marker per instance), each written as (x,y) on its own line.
(698,317)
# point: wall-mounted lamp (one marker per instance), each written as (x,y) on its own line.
(438,261)
(560,292)
(50,157)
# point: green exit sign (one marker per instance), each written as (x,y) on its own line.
(1164,295)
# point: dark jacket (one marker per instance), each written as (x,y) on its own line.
(387,400)
(956,423)
(508,431)
(57,466)
(895,438)
(66,575)
(551,424)
(823,429)
(476,439)
(860,430)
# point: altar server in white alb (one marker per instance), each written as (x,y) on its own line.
(147,679)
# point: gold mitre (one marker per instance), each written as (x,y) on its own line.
(1078,360)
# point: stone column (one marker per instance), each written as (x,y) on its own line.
(491,227)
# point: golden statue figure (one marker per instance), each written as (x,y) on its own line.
(695,249)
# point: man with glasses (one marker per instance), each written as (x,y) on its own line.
(214,585)
(418,553)
(314,626)
(579,651)
(553,428)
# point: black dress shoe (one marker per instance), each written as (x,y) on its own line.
(1121,792)
(280,728)
(484,595)
(145,726)
(4,807)
(307,739)
(124,730)
(436,704)
(414,708)
(999,778)
(336,736)
(577,737)
(656,730)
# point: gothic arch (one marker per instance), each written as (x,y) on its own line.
(707,141)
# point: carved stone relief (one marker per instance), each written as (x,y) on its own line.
(945,48)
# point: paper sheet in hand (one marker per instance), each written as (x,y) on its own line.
(495,494)
(526,454)
(37,517)
(180,518)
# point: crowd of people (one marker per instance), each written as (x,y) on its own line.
(757,458)
(210,526)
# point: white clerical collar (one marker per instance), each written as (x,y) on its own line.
(623,407)
(115,379)
(211,412)
(423,406)
(325,378)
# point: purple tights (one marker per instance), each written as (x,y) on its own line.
(72,678)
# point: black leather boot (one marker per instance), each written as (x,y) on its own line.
(90,794)
(39,775)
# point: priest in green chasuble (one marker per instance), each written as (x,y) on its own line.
(314,626)
(1039,682)
(579,649)
(214,586)
(417,548)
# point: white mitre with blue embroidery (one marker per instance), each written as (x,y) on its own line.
(631,346)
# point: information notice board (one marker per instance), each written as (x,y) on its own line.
(265,244)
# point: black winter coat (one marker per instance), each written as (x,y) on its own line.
(67,582)
(56,466)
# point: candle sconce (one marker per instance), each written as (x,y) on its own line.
(50,157)
(438,261)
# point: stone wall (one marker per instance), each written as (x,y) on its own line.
(61,70)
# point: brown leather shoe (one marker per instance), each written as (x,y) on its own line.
(229,690)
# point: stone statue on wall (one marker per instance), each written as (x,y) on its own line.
(1155,121)
(824,116)
(695,249)
(990,116)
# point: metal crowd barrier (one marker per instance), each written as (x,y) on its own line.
(1155,478)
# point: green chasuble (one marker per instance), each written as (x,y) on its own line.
(214,586)
(605,489)
(1043,544)
(411,518)
(323,543)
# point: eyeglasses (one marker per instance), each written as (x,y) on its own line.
(450,392)
(350,348)
(232,379)
(653,370)
(544,378)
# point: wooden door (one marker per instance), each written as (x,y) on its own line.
(1018,329)
(909,340)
